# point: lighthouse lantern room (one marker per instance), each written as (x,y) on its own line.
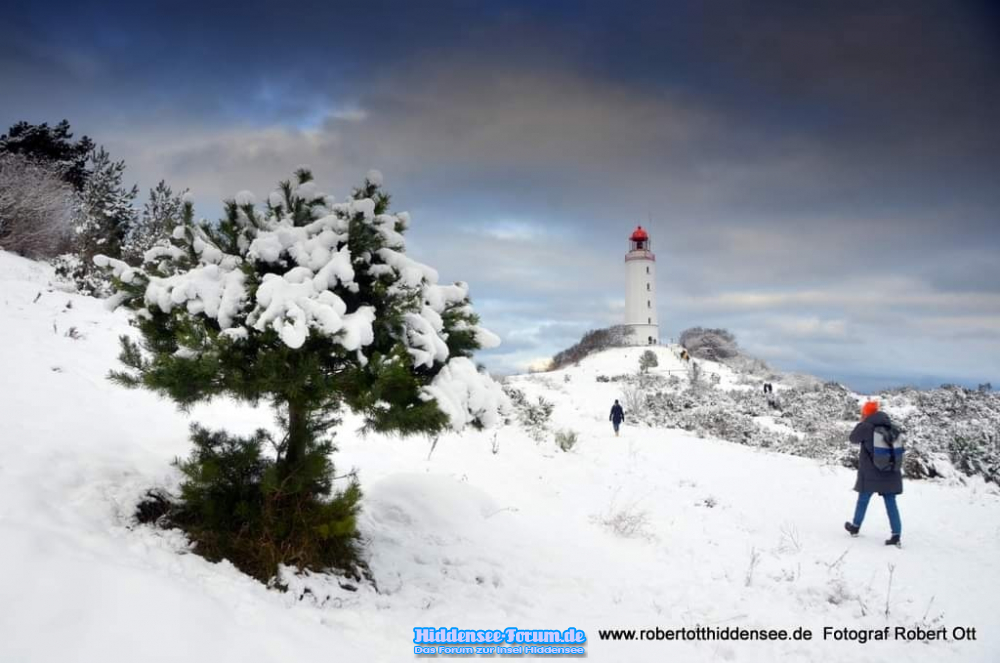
(640,290)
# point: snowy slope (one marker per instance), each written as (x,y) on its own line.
(490,530)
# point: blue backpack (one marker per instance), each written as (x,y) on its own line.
(887,444)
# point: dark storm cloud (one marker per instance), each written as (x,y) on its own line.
(820,177)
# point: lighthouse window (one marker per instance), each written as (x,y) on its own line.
(648,305)
(649,321)
(647,287)
(647,270)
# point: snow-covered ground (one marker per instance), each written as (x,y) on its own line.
(491,530)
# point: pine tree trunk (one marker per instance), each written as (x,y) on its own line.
(298,436)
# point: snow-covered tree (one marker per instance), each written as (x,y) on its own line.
(710,344)
(52,146)
(648,360)
(107,207)
(37,208)
(106,217)
(310,305)
(162,212)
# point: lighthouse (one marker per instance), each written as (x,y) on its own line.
(640,290)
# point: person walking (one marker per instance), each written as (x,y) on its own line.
(875,434)
(617,416)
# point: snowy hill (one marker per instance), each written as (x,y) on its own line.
(491,529)
(951,433)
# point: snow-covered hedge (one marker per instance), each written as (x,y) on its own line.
(959,424)
(710,344)
(946,428)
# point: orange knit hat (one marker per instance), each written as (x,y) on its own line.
(868,409)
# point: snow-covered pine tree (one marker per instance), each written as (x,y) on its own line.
(51,145)
(107,207)
(648,360)
(107,215)
(162,212)
(310,305)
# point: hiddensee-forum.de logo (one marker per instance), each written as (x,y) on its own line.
(491,642)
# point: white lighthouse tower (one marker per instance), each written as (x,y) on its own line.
(640,290)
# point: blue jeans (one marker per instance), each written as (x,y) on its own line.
(890,508)
(616,424)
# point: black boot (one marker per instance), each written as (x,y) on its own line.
(893,541)
(852,528)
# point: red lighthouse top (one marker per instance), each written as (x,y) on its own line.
(639,246)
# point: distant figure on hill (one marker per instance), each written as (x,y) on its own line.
(617,416)
(879,468)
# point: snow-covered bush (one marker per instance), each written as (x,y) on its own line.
(533,416)
(81,275)
(710,344)
(566,439)
(751,402)
(751,368)
(948,426)
(310,305)
(944,428)
(648,360)
(696,377)
(810,411)
(828,441)
(723,423)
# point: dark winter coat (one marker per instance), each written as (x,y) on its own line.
(617,415)
(871,479)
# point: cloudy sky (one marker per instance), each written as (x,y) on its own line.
(821,178)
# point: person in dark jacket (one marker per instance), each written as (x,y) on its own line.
(870,479)
(617,416)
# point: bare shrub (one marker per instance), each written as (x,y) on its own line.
(888,589)
(839,592)
(634,402)
(627,521)
(696,376)
(37,208)
(790,541)
(754,561)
